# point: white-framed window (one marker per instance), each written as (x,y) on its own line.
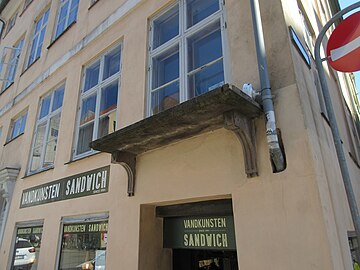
(12,64)
(98,100)
(46,131)
(17,126)
(186,55)
(38,38)
(67,15)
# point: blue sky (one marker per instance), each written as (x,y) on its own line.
(344,4)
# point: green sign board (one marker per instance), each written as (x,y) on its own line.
(80,185)
(216,233)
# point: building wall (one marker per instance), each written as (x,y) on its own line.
(296,219)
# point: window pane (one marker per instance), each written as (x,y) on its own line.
(37,148)
(92,76)
(165,98)
(204,47)
(35,159)
(198,10)
(72,17)
(63,10)
(112,63)
(16,128)
(54,128)
(40,42)
(45,107)
(32,54)
(206,79)
(50,151)
(46,16)
(58,99)
(166,67)
(74,4)
(19,48)
(73,11)
(166,27)
(109,98)
(38,26)
(23,123)
(60,28)
(84,244)
(27,248)
(40,136)
(85,137)
(107,124)
(88,110)
(62,20)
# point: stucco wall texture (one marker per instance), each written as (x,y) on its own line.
(296,219)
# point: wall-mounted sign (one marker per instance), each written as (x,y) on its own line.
(299,46)
(215,232)
(80,185)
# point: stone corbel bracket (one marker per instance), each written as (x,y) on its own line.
(241,125)
(128,161)
(244,129)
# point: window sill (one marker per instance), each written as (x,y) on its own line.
(325,118)
(56,39)
(29,66)
(354,160)
(25,8)
(13,139)
(91,154)
(93,4)
(37,172)
(6,33)
(6,88)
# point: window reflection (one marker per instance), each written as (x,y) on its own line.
(27,248)
(84,246)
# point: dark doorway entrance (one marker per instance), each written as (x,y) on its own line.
(188,259)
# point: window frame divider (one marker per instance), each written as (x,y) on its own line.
(96,90)
(181,40)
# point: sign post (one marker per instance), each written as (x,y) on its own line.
(333,125)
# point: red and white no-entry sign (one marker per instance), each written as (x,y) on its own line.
(343,49)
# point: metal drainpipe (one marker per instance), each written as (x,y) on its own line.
(277,154)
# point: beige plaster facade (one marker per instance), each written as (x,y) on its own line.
(295,219)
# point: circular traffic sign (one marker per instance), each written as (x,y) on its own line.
(343,48)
